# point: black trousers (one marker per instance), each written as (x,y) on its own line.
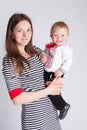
(57,100)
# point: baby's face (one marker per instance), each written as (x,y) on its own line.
(59,36)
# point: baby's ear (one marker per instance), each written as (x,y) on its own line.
(51,35)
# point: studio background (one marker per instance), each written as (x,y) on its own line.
(43,14)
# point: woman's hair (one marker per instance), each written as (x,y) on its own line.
(59,24)
(11,47)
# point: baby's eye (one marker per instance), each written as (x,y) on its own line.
(55,35)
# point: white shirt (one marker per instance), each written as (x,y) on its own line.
(62,59)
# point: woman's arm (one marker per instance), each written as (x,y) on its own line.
(54,88)
(17,95)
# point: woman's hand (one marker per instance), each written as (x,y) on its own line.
(56,86)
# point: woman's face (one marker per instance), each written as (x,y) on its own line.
(22,33)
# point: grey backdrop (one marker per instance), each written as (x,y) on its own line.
(43,14)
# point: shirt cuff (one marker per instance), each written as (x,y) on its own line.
(15,92)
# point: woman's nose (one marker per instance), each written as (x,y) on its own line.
(24,34)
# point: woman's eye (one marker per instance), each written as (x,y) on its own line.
(29,30)
(18,30)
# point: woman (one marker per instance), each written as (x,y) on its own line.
(23,73)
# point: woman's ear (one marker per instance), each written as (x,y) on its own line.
(11,34)
(12,37)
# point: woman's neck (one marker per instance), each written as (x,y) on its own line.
(25,54)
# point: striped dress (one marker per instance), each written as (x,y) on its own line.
(38,115)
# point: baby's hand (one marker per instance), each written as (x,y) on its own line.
(58,73)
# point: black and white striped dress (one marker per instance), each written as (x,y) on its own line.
(38,115)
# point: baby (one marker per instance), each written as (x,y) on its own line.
(59,60)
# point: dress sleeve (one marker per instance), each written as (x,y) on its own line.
(38,49)
(12,79)
(42,52)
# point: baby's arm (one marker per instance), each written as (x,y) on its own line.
(67,60)
(59,73)
(42,55)
(43,58)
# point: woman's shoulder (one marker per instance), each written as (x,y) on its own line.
(37,48)
(5,59)
(5,63)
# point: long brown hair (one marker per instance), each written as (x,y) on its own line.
(11,48)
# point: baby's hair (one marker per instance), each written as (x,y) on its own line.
(59,24)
